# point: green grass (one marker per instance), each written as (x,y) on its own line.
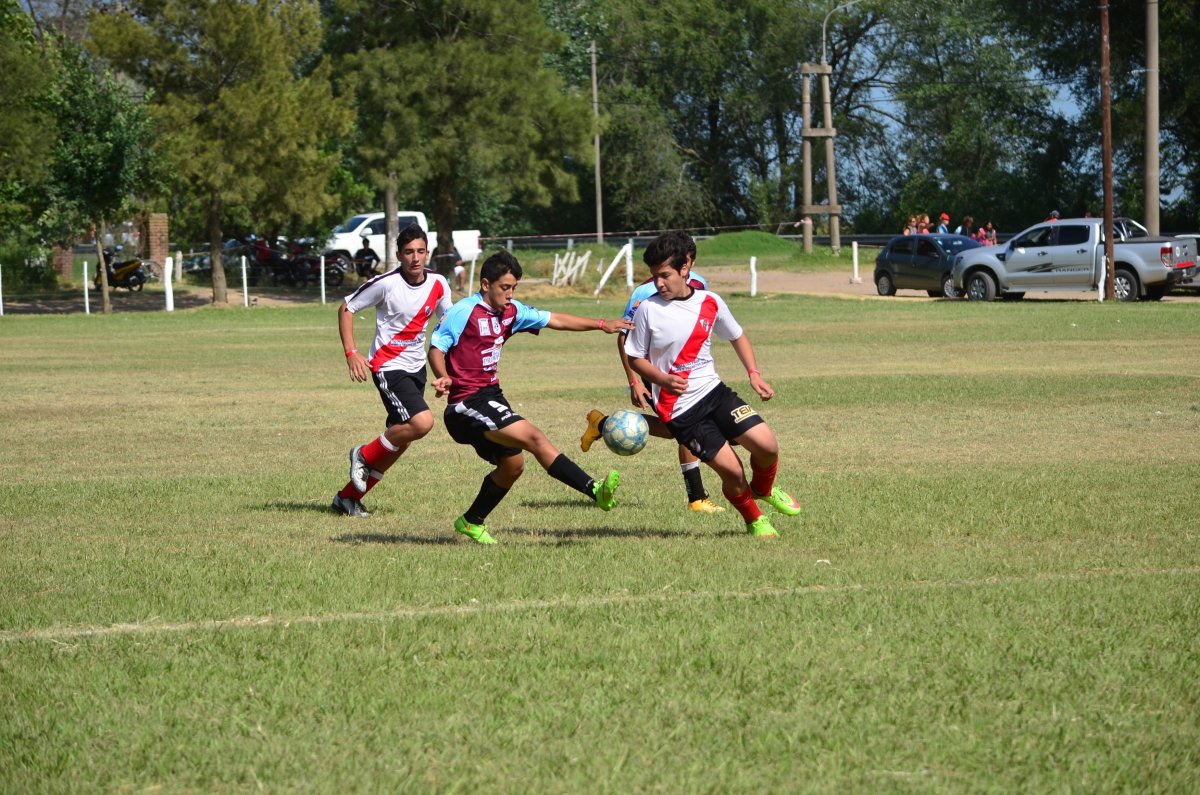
(993,586)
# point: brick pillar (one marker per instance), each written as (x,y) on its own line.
(158,244)
(64,261)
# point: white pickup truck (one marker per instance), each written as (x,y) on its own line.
(1068,254)
(347,238)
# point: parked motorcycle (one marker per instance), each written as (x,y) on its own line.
(131,274)
(306,267)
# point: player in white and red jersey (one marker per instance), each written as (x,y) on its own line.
(670,346)
(464,354)
(640,397)
(405,299)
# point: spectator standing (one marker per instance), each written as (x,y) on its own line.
(967,227)
(943,224)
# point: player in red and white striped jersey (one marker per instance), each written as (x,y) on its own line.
(670,346)
(405,299)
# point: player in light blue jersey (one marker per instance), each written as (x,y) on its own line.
(639,396)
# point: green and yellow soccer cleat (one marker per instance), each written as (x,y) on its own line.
(781,501)
(594,420)
(605,491)
(476,532)
(761,528)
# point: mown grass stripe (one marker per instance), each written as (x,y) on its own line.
(474,607)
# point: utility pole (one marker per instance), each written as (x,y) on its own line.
(1152,169)
(1110,290)
(596,140)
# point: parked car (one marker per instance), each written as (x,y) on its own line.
(348,237)
(920,262)
(1068,254)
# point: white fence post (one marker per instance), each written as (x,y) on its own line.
(753,276)
(322,280)
(627,253)
(87,307)
(856,279)
(1103,278)
(245,292)
(629,264)
(471,279)
(178,266)
(168,278)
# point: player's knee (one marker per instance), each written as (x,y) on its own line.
(421,424)
(511,467)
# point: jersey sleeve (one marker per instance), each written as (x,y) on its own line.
(637,342)
(528,318)
(639,294)
(370,294)
(725,325)
(444,303)
(449,329)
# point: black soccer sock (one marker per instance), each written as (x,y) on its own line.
(567,471)
(488,498)
(693,482)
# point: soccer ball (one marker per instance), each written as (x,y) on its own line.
(625,432)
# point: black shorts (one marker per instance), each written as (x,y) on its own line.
(720,416)
(403,394)
(483,411)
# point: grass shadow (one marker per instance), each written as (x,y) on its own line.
(390,538)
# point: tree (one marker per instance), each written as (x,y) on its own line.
(452,95)
(244,104)
(102,156)
(27,130)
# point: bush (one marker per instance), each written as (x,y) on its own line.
(26,266)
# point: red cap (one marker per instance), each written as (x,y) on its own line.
(945,217)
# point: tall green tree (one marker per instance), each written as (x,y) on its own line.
(244,103)
(454,95)
(102,157)
(27,129)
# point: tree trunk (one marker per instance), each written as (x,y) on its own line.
(391,223)
(102,270)
(220,292)
(445,217)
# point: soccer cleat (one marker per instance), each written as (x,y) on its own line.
(761,528)
(781,501)
(705,505)
(594,420)
(349,506)
(476,532)
(605,491)
(359,470)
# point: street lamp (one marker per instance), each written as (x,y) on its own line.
(832,11)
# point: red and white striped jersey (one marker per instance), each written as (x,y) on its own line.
(402,312)
(675,337)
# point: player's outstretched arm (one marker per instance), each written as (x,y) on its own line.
(441,379)
(745,352)
(561,321)
(359,370)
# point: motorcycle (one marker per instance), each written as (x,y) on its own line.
(130,274)
(306,267)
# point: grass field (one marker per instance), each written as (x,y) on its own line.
(995,585)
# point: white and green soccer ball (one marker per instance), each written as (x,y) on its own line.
(625,432)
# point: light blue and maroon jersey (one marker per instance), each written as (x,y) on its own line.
(472,335)
(402,311)
(647,289)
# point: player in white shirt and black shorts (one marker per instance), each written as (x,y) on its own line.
(670,347)
(406,299)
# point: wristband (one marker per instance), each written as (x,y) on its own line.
(754,371)
(351,352)
(635,384)
(602,323)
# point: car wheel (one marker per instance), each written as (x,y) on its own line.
(948,288)
(1125,285)
(884,284)
(981,287)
